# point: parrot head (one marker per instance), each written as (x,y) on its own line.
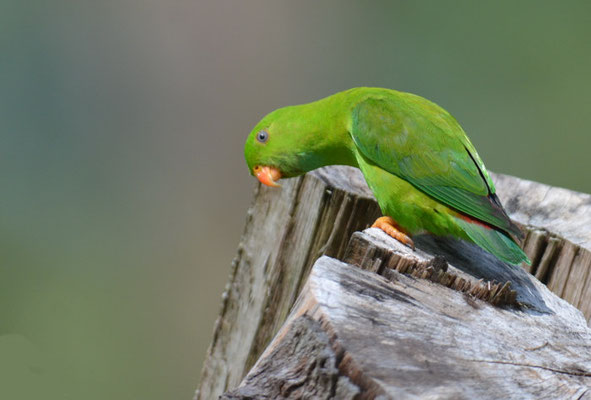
(280,146)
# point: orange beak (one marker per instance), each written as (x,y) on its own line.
(267,175)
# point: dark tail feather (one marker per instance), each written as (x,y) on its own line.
(495,242)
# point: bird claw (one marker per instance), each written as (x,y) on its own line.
(390,227)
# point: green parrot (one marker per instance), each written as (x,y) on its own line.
(415,157)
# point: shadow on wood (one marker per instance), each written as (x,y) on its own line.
(403,337)
(482,265)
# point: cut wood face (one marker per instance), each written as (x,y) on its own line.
(558,211)
(558,241)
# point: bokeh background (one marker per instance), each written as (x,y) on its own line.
(124,188)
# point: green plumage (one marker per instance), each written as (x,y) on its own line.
(414,155)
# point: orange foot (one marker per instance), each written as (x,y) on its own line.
(388,225)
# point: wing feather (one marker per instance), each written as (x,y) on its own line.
(421,143)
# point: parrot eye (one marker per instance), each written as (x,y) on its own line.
(262,136)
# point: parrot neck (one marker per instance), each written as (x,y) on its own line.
(328,141)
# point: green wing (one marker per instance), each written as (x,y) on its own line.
(421,143)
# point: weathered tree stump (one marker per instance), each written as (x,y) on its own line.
(358,334)
(287,230)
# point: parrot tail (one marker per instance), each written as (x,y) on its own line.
(495,242)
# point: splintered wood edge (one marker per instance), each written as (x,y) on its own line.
(375,251)
(363,249)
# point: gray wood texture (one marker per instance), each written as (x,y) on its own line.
(409,338)
(288,229)
(558,238)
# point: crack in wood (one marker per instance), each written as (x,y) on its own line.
(583,392)
(556,370)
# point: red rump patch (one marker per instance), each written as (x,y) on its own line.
(475,221)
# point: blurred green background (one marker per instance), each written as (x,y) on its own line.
(124,189)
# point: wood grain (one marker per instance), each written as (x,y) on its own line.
(409,338)
(288,229)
